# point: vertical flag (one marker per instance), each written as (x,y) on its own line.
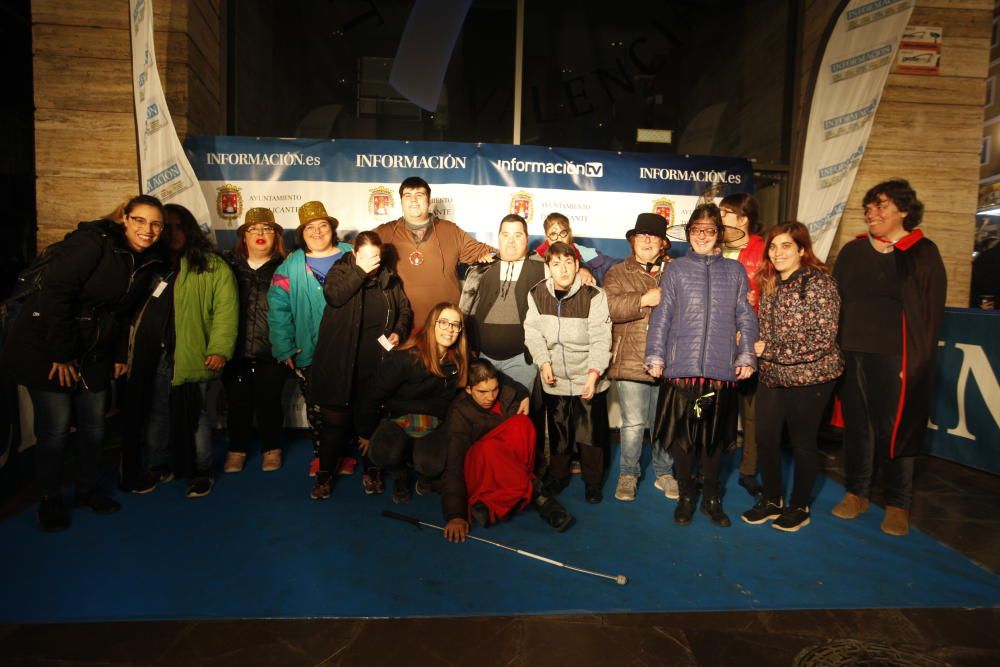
(852,74)
(164,170)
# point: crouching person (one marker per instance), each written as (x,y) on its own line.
(567,330)
(491,455)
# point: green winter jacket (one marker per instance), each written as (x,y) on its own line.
(206,319)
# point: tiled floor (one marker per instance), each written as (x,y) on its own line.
(956,505)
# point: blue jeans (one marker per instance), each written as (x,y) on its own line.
(52,420)
(158,422)
(637,401)
(517,369)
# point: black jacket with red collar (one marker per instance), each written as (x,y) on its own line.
(923,289)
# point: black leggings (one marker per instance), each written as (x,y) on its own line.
(800,409)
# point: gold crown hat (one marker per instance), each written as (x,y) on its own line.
(258,216)
(314,210)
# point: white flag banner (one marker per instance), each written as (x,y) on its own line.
(852,74)
(164,169)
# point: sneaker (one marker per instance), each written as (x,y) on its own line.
(851,506)
(371,481)
(163,473)
(479,513)
(97,501)
(347,465)
(593,494)
(322,484)
(401,488)
(626,487)
(792,519)
(272,461)
(764,511)
(144,483)
(574,467)
(669,486)
(235,462)
(53,515)
(424,486)
(200,486)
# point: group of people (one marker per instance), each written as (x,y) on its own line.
(492,390)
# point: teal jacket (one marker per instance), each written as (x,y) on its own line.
(206,319)
(295,309)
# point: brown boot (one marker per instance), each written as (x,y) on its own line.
(851,506)
(235,462)
(272,460)
(896,521)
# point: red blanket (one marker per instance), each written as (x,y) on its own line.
(498,467)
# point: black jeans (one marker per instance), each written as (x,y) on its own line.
(583,423)
(254,387)
(869,392)
(391,448)
(800,409)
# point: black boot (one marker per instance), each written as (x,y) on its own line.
(550,509)
(684,511)
(711,504)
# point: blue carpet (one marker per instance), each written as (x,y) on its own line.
(258,547)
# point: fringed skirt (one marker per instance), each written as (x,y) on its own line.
(697,412)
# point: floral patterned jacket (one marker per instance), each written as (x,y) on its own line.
(798,324)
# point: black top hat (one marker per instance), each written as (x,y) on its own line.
(649,223)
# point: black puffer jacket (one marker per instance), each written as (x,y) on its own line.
(341,358)
(252,340)
(83,310)
(404,386)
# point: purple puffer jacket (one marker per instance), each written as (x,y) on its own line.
(703,303)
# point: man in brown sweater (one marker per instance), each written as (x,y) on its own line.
(425,250)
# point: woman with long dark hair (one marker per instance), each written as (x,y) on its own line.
(70,339)
(693,344)
(367,314)
(181,341)
(799,365)
(253,378)
(416,383)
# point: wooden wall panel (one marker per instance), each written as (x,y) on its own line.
(85,155)
(927,130)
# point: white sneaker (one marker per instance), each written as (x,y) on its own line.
(668,485)
(626,487)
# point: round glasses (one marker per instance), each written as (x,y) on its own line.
(558,236)
(154,225)
(446,325)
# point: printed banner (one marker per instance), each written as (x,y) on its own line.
(852,74)
(965,410)
(474,185)
(164,170)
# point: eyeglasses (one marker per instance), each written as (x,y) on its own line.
(558,236)
(704,231)
(154,225)
(640,236)
(446,325)
(261,231)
